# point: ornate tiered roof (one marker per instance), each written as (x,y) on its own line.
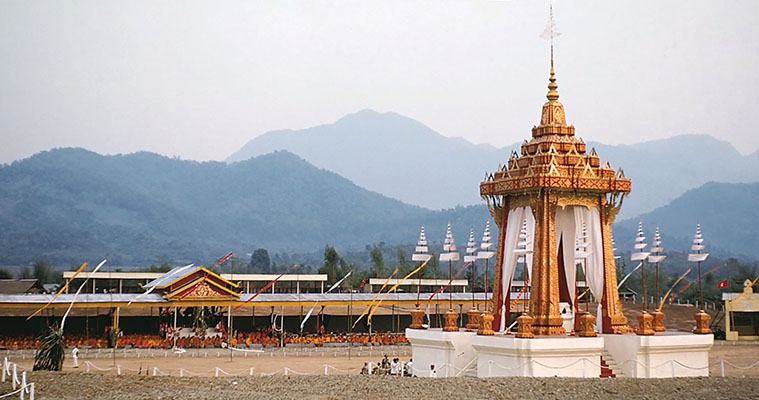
(554,158)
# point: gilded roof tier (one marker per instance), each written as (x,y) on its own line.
(554,158)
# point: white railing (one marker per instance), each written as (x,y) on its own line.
(19,385)
(585,361)
(297,351)
(10,370)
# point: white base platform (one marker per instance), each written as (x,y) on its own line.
(664,355)
(451,353)
(568,356)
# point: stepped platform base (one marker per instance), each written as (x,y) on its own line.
(664,355)
(451,353)
(566,356)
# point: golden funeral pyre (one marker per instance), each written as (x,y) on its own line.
(560,192)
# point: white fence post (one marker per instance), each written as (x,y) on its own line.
(286,371)
(672,364)
(155,371)
(5,368)
(583,367)
(325,369)
(251,371)
(181,372)
(118,370)
(31,391)
(14,378)
(722,366)
(216,374)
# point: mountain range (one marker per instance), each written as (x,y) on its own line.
(66,205)
(727,212)
(404,159)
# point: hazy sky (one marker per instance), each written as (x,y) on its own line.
(200,79)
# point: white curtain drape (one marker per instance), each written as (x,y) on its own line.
(565,232)
(513,226)
(530,237)
(594,273)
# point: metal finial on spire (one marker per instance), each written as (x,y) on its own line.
(551,32)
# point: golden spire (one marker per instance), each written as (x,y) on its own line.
(552,95)
(553,111)
(550,33)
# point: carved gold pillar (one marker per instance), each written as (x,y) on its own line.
(613,320)
(544,291)
(702,323)
(417,318)
(500,215)
(658,321)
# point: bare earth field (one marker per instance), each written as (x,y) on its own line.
(343,381)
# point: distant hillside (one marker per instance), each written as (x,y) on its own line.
(391,154)
(662,170)
(728,214)
(404,159)
(73,204)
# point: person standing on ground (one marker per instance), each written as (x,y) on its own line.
(394,367)
(75,355)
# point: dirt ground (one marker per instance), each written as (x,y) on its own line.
(305,378)
(199,362)
(740,359)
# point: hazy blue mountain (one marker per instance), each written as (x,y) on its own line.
(662,170)
(727,212)
(404,159)
(390,154)
(69,205)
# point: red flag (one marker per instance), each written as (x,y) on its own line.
(363,283)
(722,285)
(268,285)
(442,289)
(227,257)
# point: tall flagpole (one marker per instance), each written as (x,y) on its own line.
(645,320)
(449,254)
(702,318)
(485,253)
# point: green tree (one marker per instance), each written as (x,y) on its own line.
(5,274)
(331,260)
(25,273)
(432,270)
(404,265)
(260,262)
(378,262)
(45,273)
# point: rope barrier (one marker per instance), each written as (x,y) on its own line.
(10,369)
(247,351)
(275,372)
(29,388)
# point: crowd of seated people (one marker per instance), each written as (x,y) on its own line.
(266,338)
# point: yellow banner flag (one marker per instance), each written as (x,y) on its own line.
(392,289)
(375,298)
(63,289)
(663,299)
